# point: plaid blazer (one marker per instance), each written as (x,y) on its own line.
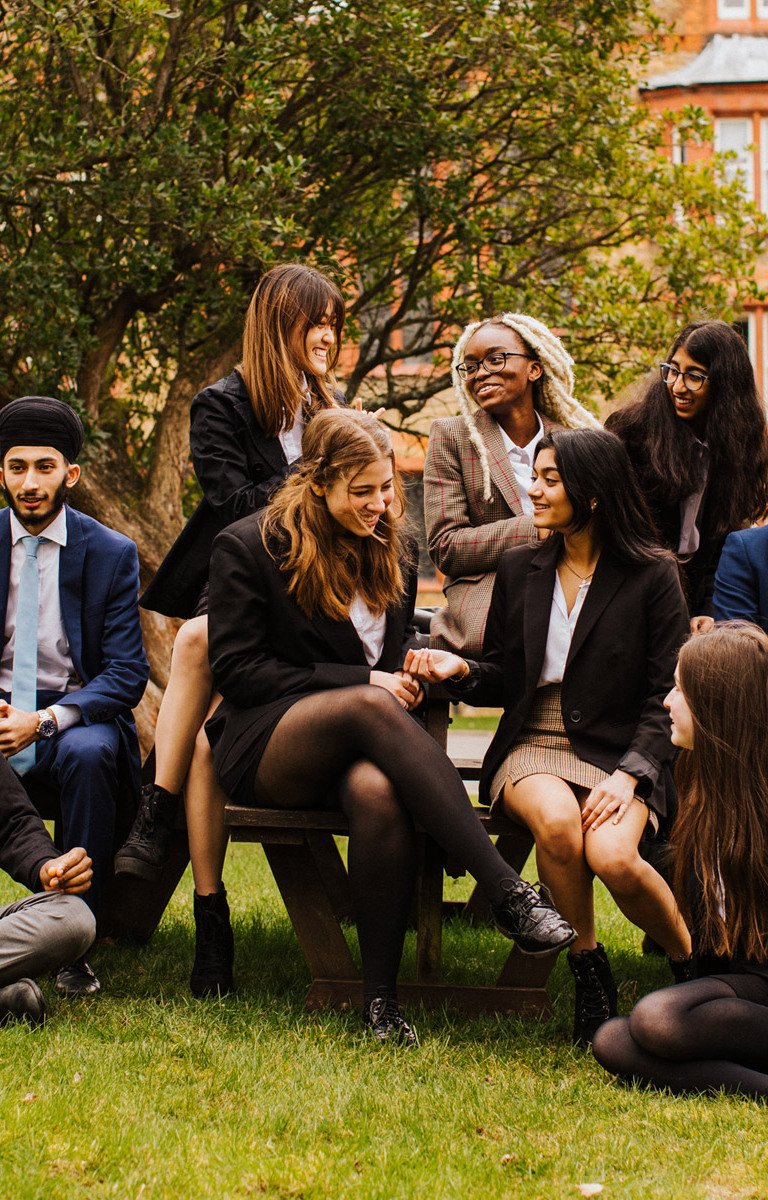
(466,534)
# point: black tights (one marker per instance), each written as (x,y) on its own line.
(358,744)
(694,1037)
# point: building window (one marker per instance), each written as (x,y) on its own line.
(762,8)
(735,134)
(732,10)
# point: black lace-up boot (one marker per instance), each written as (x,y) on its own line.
(387,1025)
(596,998)
(147,846)
(214,946)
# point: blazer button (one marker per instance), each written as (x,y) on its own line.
(576,716)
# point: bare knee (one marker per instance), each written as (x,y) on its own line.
(557,832)
(190,649)
(622,871)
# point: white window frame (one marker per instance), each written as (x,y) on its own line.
(729,12)
(747,168)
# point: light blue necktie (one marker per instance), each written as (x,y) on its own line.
(24,678)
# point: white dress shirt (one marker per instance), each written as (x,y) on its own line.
(290,436)
(369,628)
(561,626)
(55,669)
(521,461)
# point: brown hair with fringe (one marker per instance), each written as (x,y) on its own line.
(288,301)
(721,833)
(328,565)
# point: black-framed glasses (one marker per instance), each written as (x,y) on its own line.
(492,362)
(693,380)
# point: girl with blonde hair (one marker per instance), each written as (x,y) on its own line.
(513,380)
(311,607)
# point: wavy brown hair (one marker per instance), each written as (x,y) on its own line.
(721,833)
(328,565)
(287,302)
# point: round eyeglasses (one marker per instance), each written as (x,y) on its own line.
(492,362)
(693,380)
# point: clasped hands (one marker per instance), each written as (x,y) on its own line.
(70,873)
(403,686)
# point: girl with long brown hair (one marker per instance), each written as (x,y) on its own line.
(311,607)
(245,437)
(711,1033)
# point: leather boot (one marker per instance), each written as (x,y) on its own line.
(214,946)
(147,848)
(596,997)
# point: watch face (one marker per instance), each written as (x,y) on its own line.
(47,728)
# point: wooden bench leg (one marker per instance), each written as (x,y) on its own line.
(312,914)
(429,914)
(330,864)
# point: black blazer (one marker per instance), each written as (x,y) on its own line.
(266,653)
(238,469)
(620,666)
(698,573)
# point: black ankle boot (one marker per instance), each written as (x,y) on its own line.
(532,920)
(214,947)
(596,998)
(148,845)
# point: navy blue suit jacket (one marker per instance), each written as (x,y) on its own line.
(98,588)
(741,583)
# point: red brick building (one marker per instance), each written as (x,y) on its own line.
(718,59)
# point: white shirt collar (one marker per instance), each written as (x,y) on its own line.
(56,531)
(523,453)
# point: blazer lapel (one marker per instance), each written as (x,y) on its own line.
(270,449)
(608,578)
(539,588)
(342,638)
(71,563)
(5,562)
(498,460)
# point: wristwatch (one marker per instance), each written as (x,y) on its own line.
(46,724)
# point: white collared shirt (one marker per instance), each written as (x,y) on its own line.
(55,669)
(521,461)
(369,628)
(560,634)
(290,438)
(690,507)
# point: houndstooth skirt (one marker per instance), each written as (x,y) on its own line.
(543,748)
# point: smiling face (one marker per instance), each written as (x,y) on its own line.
(509,386)
(689,405)
(680,714)
(551,507)
(357,503)
(35,480)
(311,350)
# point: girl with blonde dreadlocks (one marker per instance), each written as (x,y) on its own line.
(514,382)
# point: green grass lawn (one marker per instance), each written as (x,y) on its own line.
(144,1093)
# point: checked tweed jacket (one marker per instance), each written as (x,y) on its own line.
(466,534)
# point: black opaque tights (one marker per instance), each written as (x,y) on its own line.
(694,1037)
(388,773)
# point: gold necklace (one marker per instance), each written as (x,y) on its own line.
(581,578)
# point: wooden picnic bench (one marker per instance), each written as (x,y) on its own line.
(300,847)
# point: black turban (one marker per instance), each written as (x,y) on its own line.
(41,421)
